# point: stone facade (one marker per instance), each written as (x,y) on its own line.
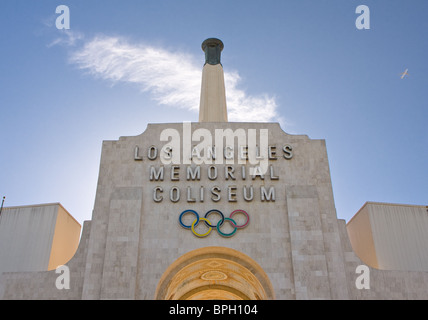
(293,235)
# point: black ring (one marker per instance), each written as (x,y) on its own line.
(217,211)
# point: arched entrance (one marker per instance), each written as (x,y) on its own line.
(214,273)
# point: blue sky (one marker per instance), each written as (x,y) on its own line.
(62,92)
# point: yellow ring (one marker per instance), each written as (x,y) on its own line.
(198,234)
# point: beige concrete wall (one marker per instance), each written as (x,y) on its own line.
(37,237)
(65,239)
(383,284)
(26,234)
(41,285)
(400,236)
(361,238)
(391,236)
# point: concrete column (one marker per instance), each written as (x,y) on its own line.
(212,106)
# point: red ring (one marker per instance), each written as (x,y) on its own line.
(244,225)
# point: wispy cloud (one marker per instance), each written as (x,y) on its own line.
(68,38)
(171,78)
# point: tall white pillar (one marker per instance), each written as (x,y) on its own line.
(212,106)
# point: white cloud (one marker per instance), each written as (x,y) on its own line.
(172,78)
(68,38)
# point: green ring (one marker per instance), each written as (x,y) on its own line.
(227,235)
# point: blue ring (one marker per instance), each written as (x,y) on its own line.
(217,211)
(183,213)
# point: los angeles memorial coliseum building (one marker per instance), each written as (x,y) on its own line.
(222,210)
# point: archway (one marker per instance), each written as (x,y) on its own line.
(214,273)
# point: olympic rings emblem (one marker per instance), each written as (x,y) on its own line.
(216,226)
